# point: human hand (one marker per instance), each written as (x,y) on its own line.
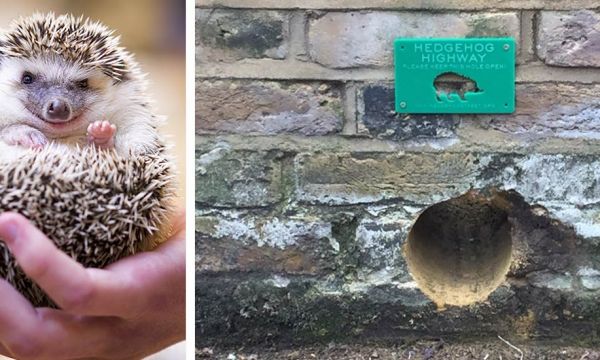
(130,309)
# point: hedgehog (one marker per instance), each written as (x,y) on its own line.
(80,152)
(67,80)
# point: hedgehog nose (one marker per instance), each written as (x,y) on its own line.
(58,110)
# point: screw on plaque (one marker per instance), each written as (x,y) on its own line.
(506,47)
(402,104)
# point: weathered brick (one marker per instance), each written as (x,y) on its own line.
(550,110)
(584,219)
(354,39)
(550,280)
(225,179)
(231,35)
(378,118)
(267,108)
(302,237)
(337,179)
(246,307)
(241,242)
(569,38)
(544,178)
(543,110)
(590,278)
(426,178)
(379,239)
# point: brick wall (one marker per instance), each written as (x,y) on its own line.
(308,184)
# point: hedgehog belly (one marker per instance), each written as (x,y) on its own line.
(96,206)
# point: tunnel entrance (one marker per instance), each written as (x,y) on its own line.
(459,251)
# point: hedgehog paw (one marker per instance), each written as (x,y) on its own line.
(101,134)
(25,136)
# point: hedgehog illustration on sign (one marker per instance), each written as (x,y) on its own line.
(451,85)
(80,153)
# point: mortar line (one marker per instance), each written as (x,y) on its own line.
(415,6)
(535,31)
(349,99)
(297,35)
(528,52)
(534,72)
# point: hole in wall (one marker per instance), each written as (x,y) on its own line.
(449,83)
(459,251)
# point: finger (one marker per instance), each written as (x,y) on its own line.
(68,283)
(62,335)
(4,350)
(178,221)
(159,277)
(54,334)
(17,318)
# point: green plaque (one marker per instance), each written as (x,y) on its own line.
(474,75)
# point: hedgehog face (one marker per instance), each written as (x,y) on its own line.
(51,94)
(60,73)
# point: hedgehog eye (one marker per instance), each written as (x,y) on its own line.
(82,84)
(27,78)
